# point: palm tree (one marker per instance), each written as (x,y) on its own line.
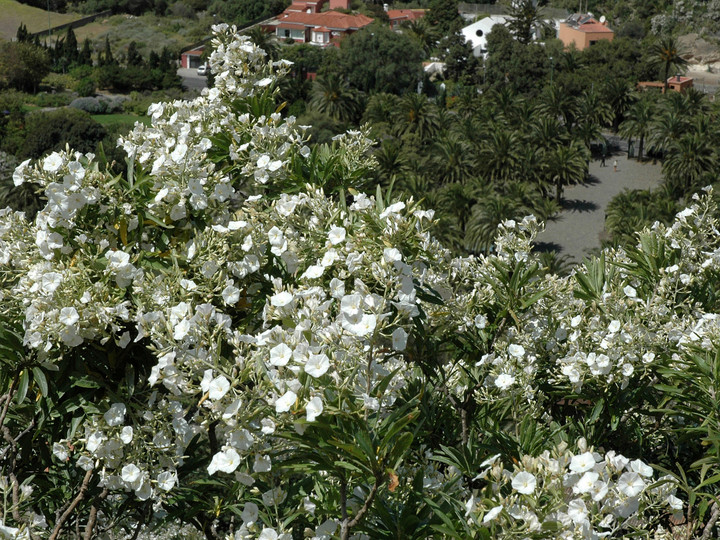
(557,103)
(565,165)
(547,131)
(499,154)
(690,159)
(637,123)
(490,212)
(391,161)
(451,161)
(665,55)
(415,114)
(666,128)
(333,96)
(423,32)
(265,40)
(619,95)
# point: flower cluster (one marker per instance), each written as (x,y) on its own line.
(578,495)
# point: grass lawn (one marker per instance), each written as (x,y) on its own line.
(147,31)
(124,120)
(14,13)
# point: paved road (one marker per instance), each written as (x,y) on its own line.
(191,79)
(582,220)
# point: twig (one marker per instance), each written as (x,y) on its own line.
(348,524)
(80,496)
(8,398)
(707,531)
(15,497)
(93,514)
(16,439)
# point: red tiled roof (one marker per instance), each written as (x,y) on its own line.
(321,29)
(330,19)
(681,79)
(394,14)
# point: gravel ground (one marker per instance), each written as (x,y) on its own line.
(580,224)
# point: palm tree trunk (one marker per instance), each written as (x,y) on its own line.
(641,143)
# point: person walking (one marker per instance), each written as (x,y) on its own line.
(615,165)
(602,160)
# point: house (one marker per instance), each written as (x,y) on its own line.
(191,59)
(476,33)
(315,6)
(584,30)
(399,16)
(677,83)
(321,29)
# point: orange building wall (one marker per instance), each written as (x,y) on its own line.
(581,40)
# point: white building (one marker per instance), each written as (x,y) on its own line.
(476,33)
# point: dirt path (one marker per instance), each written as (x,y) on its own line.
(578,227)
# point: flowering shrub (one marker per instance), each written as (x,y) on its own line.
(234,337)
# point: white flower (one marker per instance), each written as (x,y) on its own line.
(231,295)
(126,435)
(285,402)
(577,511)
(336,235)
(219,386)
(362,328)
(643,469)
(524,483)
(268,534)
(53,162)
(313,271)
(115,414)
(262,464)
(313,409)
(492,513)
(281,299)
(504,381)
(131,474)
(391,255)
(630,484)
(60,451)
(166,480)
(276,237)
(518,351)
(614,326)
(586,482)
(85,463)
(250,513)
(582,463)
(630,291)
(674,502)
(226,461)
(263,161)
(399,339)
(19,173)
(280,355)
(68,316)
(179,152)
(480,322)
(317,365)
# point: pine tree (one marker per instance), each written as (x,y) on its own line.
(70,47)
(106,57)
(22,33)
(85,56)
(445,16)
(134,58)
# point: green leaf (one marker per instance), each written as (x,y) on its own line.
(22,386)
(40,380)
